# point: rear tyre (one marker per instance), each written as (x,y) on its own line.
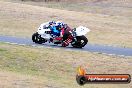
(81,42)
(37,38)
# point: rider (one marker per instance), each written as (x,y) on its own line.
(59,29)
(64,31)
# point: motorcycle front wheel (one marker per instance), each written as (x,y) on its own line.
(81,42)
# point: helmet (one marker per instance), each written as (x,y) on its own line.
(52,22)
(59,24)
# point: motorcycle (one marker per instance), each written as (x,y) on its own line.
(44,35)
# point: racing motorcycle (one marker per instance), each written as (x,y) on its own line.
(44,35)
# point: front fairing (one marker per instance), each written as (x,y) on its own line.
(81,31)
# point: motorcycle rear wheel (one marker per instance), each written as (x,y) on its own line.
(37,38)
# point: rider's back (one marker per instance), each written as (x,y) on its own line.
(55,31)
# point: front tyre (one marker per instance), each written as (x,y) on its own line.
(81,42)
(37,38)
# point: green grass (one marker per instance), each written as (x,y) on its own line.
(28,61)
(59,65)
(2,50)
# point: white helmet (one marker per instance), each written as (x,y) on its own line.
(59,23)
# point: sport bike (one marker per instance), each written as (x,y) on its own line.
(44,35)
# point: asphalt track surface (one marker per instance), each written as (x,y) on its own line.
(110,50)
